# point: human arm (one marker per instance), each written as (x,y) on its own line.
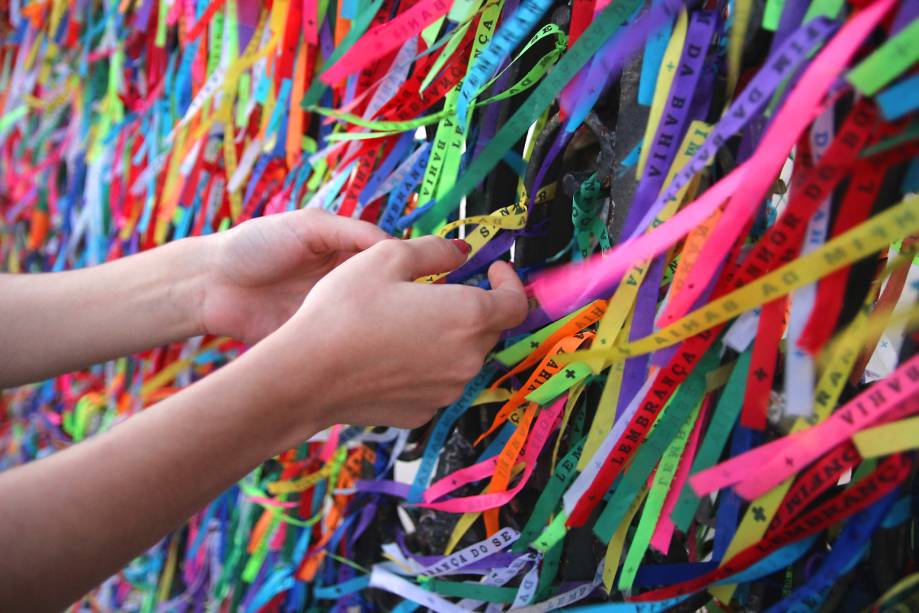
(53,323)
(242,283)
(367,346)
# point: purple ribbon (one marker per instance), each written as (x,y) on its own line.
(674,119)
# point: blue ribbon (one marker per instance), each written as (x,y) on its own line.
(442,430)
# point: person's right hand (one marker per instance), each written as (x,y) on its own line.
(369,346)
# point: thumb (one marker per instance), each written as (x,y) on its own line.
(429,255)
(508,298)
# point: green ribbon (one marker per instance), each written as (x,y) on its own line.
(522,348)
(585,215)
(716,437)
(551,497)
(887,62)
(587,46)
(473,591)
(666,427)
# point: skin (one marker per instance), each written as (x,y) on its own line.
(340,333)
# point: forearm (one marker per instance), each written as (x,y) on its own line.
(81,514)
(58,322)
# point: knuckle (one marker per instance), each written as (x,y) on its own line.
(475,313)
(390,250)
(316,219)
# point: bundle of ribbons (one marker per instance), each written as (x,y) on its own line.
(712,403)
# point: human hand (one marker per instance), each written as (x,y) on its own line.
(371,347)
(258,273)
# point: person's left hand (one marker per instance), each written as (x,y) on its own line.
(259,272)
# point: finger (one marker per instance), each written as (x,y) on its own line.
(323,232)
(508,299)
(429,255)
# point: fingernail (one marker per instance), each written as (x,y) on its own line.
(462,245)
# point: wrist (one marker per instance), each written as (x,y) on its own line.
(289,404)
(186,268)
